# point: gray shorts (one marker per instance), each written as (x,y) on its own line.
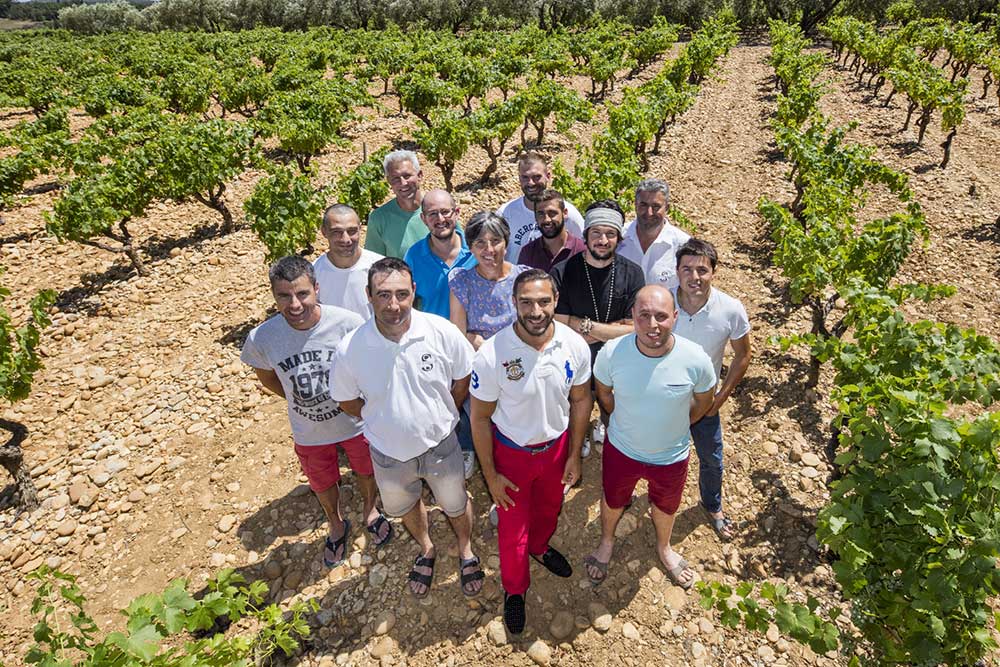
(399,482)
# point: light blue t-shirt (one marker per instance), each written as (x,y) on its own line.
(430,274)
(651,421)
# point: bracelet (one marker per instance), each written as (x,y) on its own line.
(585,326)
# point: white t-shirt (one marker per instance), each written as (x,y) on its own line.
(523,228)
(659,262)
(406,385)
(531,388)
(301,360)
(651,420)
(720,320)
(345,287)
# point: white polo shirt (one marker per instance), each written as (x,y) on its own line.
(406,385)
(345,287)
(531,388)
(659,262)
(720,320)
(523,228)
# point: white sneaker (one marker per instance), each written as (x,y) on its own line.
(469,462)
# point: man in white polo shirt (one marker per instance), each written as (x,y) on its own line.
(290,353)
(649,240)
(710,317)
(655,385)
(405,373)
(535,177)
(342,271)
(530,410)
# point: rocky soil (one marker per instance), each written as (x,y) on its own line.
(157,455)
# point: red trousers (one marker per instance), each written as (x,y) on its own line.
(525,528)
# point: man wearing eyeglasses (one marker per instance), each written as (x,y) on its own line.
(439,253)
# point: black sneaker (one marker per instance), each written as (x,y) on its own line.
(555,563)
(513,613)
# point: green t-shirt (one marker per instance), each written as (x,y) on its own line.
(391,230)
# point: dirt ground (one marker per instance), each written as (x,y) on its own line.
(158,456)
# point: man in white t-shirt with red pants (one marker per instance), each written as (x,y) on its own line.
(710,317)
(530,410)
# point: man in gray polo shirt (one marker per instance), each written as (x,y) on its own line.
(290,354)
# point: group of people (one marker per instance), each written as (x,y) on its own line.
(438,346)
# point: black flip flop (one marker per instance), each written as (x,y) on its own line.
(375,526)
(333,545)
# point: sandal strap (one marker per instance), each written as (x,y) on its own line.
(375,526)
(469,577)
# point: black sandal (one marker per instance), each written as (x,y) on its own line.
(425,579)
(375,526)
(467,578)
(333,545)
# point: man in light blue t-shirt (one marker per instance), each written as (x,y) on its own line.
(654,385)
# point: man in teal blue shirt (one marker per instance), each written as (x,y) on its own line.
(654,385)
(395,226)
(438,253)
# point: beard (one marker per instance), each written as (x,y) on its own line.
(535,328)
(601,255)
(553,231)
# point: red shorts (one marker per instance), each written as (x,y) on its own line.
(320,463)
(620,474)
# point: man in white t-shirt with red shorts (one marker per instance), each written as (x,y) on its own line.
(290,354)
(530,410)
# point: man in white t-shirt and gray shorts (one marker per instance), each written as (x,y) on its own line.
(290,354)
(406,373)
(710,317)
(530,411)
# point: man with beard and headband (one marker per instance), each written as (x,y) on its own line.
(597,288)
(290,354)
(556,244)
(654,384)
(530,407)
(342,271)
(395,225)
(436,255)
(406,373)
(649,240)
(534,176)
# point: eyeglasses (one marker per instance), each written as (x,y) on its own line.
(601,234)
(440,213)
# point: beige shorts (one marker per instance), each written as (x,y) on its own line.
(400,482)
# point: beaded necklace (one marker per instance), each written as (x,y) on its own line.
(593,297)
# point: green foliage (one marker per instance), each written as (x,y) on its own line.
(285,210)
(544,98)
(446,140)
(39,144)
(420,91)
(364,187)
(802,622)
(155,621)
(19,347)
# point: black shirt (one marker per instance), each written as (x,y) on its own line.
(575,297)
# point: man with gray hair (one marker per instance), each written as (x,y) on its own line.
(649,240)
(396,225)
(291,353)
(342,271)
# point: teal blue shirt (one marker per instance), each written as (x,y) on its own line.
(430,274)
(651,422)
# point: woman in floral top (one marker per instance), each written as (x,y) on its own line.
(482,295)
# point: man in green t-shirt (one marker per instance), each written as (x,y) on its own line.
(396,225)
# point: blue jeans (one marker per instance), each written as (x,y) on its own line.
(464,429)
(707,436)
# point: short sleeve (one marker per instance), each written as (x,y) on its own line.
(582,374)
(343,385)
(483,384)
(602,366)
(636,281)
(460,351)
(458,285)
(373,234)
(559,275)
(252,355)
(706,379)
(739,322)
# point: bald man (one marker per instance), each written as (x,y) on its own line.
(439,253)
(654,385)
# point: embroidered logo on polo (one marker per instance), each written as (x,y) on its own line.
(475,380)
(515,370)
(664,276)
(569,372)
(426,362)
